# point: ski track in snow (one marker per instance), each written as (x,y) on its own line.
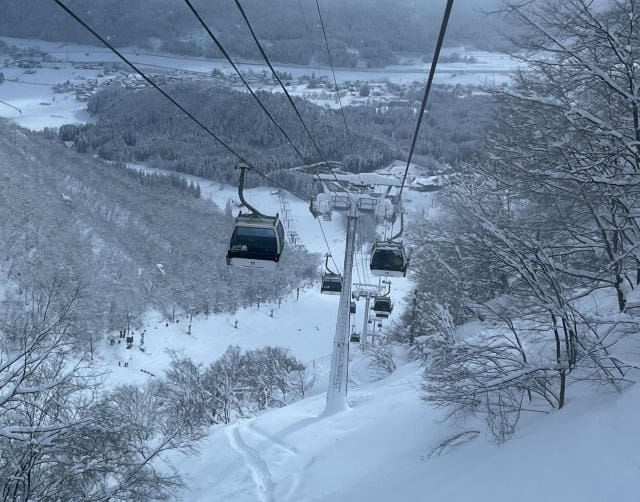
(257,466)
(252,428)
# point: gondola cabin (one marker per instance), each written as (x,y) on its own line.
(352,308)
(382,306)
(388,258)
(331,284)
(355,337)
(256,242)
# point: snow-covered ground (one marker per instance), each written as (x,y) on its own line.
(306,325)
(29,99)
(377,450)
(34,105)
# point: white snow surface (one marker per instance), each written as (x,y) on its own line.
(378,449)
(29,99)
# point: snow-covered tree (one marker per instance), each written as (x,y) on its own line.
(547,216)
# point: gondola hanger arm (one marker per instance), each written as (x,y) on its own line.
(399,234)
(243,167)
(326,263)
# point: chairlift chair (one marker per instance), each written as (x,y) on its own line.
(388,258)
(331,282)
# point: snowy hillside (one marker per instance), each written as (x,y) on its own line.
(136,365)
(385,447)
(379,451)
(380,448)
(31,101)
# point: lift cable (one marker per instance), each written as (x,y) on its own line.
(304,21)
(282,86)
(432,71)
(244,81)
(326,241)
(293,105)
(173,100)
(259,101)
(335,81)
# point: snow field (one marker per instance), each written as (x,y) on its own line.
(41,107)
(378,450)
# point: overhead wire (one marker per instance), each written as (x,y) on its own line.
(150,82)
(279,80)
(432,71)
(244,81)
(335,81)
(230,149)
(304,21)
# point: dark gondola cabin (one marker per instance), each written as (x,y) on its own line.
(388,259)
(256,242)
(352,308)
(382,306)
(331,284)
(355,337)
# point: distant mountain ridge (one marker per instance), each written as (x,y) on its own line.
(361,32)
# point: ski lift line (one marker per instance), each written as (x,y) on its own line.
(335,81)
(304,21)
(149,81)
(432,71)
(282,86)
(326,241)
(11,106)
(244,81)
(357,268)
(360,259)
(290,99)
(172,100)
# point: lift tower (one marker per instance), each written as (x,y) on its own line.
(352,204)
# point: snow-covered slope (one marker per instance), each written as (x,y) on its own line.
(378,451)
(304,321)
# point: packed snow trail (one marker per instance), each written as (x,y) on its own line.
(251,427)
(257,466)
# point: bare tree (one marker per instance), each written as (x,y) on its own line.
(62,436)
